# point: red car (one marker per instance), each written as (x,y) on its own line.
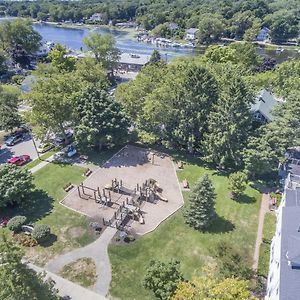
(19,160)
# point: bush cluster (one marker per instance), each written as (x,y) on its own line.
(15,223)
(41,232)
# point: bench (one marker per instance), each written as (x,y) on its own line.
(87,172)
(68,187)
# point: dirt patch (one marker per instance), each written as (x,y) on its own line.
(81,271)
(75,232)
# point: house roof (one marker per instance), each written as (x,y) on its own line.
(137,59)
(289,287)
(191,30)
(265,102)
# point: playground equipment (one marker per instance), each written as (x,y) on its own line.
(117,186)
(96,195)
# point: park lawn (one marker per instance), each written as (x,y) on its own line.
(237,224)
(264,251)
(69,229)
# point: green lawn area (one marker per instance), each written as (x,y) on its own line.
(69,229)
(264,251)
(237,224)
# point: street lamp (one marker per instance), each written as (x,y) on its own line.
(33,140)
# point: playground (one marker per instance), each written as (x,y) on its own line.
(136,190)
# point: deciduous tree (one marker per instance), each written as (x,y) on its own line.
(59,59)
(162,278)
(17,281)
(237,184)
(15,185)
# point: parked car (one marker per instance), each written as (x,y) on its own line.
(59,139)
(44,147)
(13,140)
(71,151)
(4,221)
(19,160)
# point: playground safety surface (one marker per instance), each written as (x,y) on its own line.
(130,166)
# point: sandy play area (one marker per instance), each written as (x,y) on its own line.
(133,166)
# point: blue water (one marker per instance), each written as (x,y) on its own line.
(72,38)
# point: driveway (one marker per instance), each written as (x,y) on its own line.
(25,147)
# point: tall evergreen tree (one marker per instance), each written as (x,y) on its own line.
(99,119)
(229,122)
(200,210)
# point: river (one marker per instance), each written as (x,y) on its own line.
(72,38)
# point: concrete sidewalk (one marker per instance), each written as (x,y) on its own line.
(68,288)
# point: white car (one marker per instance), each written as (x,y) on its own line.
(71,151)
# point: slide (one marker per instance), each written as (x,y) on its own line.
(160,196)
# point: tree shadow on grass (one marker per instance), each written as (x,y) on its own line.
(49,241)
(36,207)
(221,225)
(245,199)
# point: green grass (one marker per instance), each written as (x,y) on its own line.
(39,160)
(237,224)
(82,271)
(69,229)
(264,251)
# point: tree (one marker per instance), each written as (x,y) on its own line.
(19,33)
(237,184)
(9,116)
(59,59)
(103,47)
(229,122)
(91,72)
(267,64)
(231,262)
(52,102)
(99,119)
(162,278)
(210,287)
(15,185)
(17,281)
(251,33)
(200,211)
(155,57)
(210,29)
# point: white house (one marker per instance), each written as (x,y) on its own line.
(98,17)
(284,269)
(191,34)
(263,34)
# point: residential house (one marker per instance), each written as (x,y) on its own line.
(263,106)
(263,34)
(173,26)
(191,34)
(98,17)
(284,268)
(132,62)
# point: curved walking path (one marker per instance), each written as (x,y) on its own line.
(98,252)
(264,208)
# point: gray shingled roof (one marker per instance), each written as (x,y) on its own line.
(265,102)
(137,59)
(289,287)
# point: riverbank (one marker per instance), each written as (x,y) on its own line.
(131,32)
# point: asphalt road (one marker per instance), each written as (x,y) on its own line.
(25,147)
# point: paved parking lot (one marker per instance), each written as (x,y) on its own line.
(25,147)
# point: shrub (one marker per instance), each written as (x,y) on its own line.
(25,240)
(16,223)
(41,232)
